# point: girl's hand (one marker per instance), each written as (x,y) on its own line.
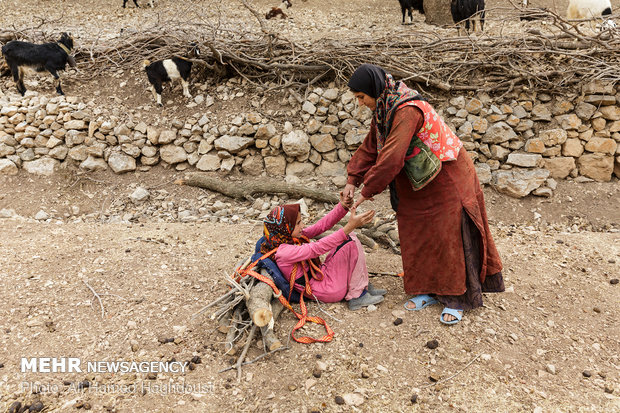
(356,221)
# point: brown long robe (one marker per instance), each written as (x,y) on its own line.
(429,220)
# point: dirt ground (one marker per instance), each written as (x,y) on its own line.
(548,344)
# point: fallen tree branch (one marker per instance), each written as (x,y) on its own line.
(243,190)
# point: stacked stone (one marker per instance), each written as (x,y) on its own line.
(520,144)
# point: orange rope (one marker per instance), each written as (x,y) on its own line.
(303,316)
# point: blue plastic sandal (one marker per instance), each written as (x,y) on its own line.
(420,301)
(453,312)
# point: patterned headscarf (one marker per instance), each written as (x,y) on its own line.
(373,81)
(278,226)
(278,229)
(394,95)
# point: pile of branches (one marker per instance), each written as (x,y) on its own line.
(248,307)
(556,56)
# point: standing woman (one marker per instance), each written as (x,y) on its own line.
(447,249)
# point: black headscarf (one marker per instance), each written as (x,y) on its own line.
(369,79)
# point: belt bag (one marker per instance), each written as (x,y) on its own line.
(421,164)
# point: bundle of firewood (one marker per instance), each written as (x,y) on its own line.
(248,306)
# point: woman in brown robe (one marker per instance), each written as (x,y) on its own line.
(447,249)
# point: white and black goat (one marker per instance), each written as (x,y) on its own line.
(24,56)
(279,11)
(167,70)
(407,7)
(466,11)
(136,3)
(586,9)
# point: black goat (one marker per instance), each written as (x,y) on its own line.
(171,69)
(136,3)
(407,6)
(21,56)
(464,11)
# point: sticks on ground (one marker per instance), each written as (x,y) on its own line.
(242,311)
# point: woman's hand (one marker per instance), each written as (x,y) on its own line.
(346,201)
(356,221)
(349,191)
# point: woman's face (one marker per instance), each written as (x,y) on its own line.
(364,100)
(299,226)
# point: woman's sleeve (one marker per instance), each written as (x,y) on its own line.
(326,223)
(390,161)
(295,253)
(363,158)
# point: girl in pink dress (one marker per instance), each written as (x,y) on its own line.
(343,273)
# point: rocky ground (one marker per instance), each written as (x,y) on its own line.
(549,343)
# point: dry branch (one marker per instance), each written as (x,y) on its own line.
(555,56)
(243,190)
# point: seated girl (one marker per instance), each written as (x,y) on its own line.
(343,274)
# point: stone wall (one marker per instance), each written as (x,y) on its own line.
(521,143)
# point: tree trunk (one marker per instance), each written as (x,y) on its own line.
(438,12)
(269,338)
(259,303)
(244,190)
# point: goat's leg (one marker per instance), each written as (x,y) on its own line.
(18,77)
(157,88)
(136,3)
(54,73)
(185,85)
(411,16)
(404,10)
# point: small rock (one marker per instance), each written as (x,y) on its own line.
(398,313)
(292,387)
(608,390)
(613,281)
(551,369)
(317,373)
(432,344)
(398,321)
(434,377)
(139,195)
(196,360)
(338,399)
(353,399)
(41,216)
(596,310)
(414,398)
(587,373)
(371,308)
(151,376)
(365,373)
